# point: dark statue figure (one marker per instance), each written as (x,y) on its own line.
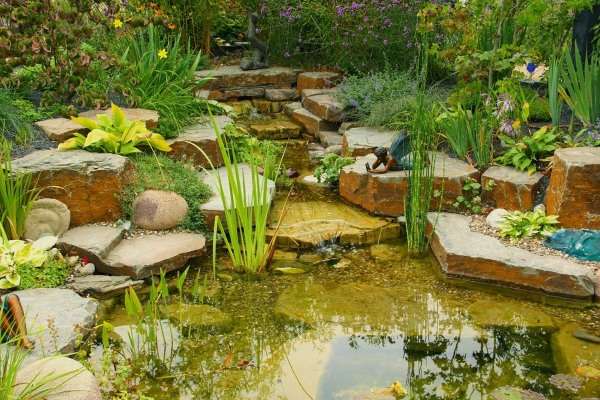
(396,159)
(258,58)
(583,30)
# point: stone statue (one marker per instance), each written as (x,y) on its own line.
(258,58)
(396,159)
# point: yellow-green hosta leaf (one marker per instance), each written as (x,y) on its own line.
(73,143)
(8,283)
(135,132)
(85,122)
(158,142)
(104,121)
(129,148)
(118,116)
(95,136)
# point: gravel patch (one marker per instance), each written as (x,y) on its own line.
(39,142)
(533,245)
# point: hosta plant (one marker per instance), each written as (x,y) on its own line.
(330,167)
(529,224)
(114,134)
(525,154)
(16,254)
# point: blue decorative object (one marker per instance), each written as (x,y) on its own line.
(531,67)
(582,243)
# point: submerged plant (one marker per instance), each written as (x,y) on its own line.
(519,225)
(114,134)
(330,167)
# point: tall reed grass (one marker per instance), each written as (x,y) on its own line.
(554,101)
(580,87)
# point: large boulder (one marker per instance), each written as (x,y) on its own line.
(472,255)
(159,210)
(574,191)
(88,183)
(385,194)
(57,319)
(47,217)
(511,189)
(66,379)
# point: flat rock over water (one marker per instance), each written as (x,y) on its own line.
(472,255)
(310,223)
(102,286)
(57,318)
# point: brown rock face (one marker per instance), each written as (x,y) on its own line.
(472,255)
(317,80)
(185,147)
(324,106)
(312,123)
(232,77)
(574,190)
(385,194)
(89,184)
(512,189)
(159,210)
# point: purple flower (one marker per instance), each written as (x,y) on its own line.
(340,10)
(355,6)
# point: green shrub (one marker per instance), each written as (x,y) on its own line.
(161,77)
(330,167)
(526,153)
(14,125)
(162,173)
(580,88)
(53,273)
(519,225)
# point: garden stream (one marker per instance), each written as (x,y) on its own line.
(358,320)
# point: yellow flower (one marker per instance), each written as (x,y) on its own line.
(117,23)
(162,53)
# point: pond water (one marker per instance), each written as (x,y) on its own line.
(361,319)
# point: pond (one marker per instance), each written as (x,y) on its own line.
(361,319)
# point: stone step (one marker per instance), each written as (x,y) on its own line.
(215,206)
(472,255)
(289,108)
(324,106)
(202,135)
(60,129)
(385,194)
(317,80)
(149,117)
(57,319)
(312,123)
(330,138)
(92,241)
(88,183)
(232,76)
(363,140)
(144,256)
(102,286)
(275,129)
(511,189)
(281,94)
(316,92)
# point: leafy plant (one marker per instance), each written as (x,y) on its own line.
(470,199)
(53,273)
(16,254)
(159,172)
(114,134)
(330,167)
(554,100)
(17,194)
(13,124)
(580,88)
(525,154)
(161,77)
(519,225)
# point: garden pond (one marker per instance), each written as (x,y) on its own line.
(360,319)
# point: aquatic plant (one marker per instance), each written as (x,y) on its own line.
(580,88)
(420,176)
(114,134)
(17,194)
(519,225)
(330,167)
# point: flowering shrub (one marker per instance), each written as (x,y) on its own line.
(357,35)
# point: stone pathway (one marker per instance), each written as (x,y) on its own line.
(310,223)
(385,194)
(466,254)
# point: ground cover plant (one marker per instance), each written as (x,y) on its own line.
(330,167)
(530,224)
(158,172)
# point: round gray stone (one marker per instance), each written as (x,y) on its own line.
(48,217)
(496,218)
(159,210)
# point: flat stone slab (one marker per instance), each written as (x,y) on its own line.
(232,76)
(289,108)
(57,318)
(215,206)
(92,241)
(363,140)
(281,94)
(60,129)
(149,117)
(311,223)
(72,381)
(102,286)
(89,184)
(318,80)
(316,92)
(275,129)
(324,106)
(574,190)
(144,256)
(185,146)
(330,138)
(511,189)
(384,194)
(312,123)
(472,255)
